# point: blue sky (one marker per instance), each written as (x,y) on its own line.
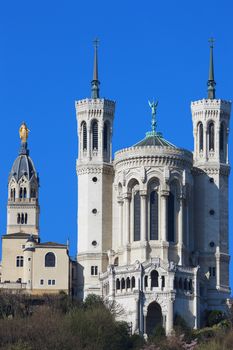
(150,49)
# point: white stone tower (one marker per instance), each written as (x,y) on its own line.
(22,207)
(211,119)
(95,178)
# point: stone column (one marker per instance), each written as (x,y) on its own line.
(180,229)
(216,142)
(196,148)
(163,215)
(100,138)
(205,143)
(226,147)
(126,218)
(120,213)
(89,142)
(170,316)
(143,196)
(217,269)
(80,149)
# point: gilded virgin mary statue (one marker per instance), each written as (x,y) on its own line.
(23,132)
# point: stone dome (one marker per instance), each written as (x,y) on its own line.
(23,165)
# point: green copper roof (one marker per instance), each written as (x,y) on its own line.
(154,139)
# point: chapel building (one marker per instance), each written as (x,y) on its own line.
(29,265)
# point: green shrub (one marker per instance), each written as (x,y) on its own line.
(214,317)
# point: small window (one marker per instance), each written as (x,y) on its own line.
(41,282)
(23,246)
(53,282)
(49,282)
(19,261)
(29,259)
(94,270)
(212,212)
(50,260)
(94,179)
(94,211)
(163,281)
(214,271)
(18,218)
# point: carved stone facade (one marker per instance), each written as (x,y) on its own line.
(153,222)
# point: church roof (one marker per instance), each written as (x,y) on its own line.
(23,165)
(154,139)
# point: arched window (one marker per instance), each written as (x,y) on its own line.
(22,219)
(211,136)
(154,278)
(154,215)
(95,135)
(122,283)
(133,282)
(222,137)
(137,216)
(19,261)
(146,281)
(116,261)
(200,127)
(24,192)
(26,218)
(14,193)
(185,284)
(21,193)
(190,285)
(171,217)
(106,132)
(127,282)
(50,260)
(118,285)
(84,133)
(18,218)
(33,193)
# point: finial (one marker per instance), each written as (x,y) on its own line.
(23,132)
(153,105)
(95,82)
(211,82)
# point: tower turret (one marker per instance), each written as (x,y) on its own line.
(95,177)
(211,118)
(23,185)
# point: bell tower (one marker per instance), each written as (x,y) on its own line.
(95,178)
(211,118)
(23,189)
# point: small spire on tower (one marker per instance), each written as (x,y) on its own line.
(211,82)
(95,82)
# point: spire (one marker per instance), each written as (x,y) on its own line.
(95,82)
(211,83)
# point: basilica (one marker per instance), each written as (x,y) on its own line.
(152,219)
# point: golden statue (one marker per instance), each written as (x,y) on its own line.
(23,132)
